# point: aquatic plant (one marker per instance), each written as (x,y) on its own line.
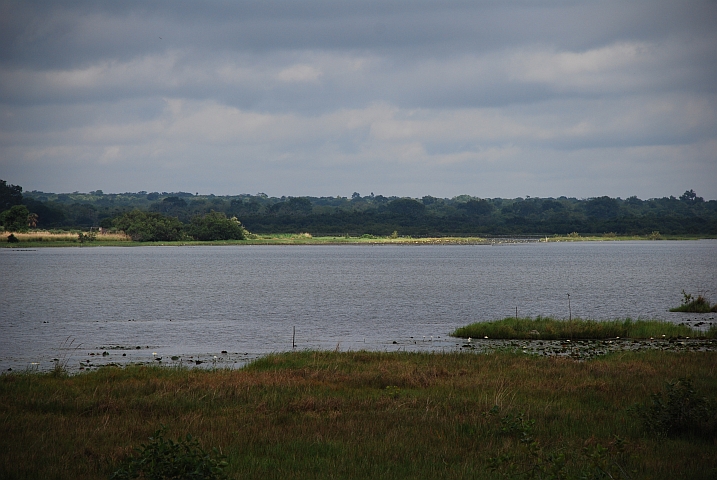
(545,328)
(691,304)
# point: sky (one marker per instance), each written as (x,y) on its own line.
(330,97)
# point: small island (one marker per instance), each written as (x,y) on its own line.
(691,304)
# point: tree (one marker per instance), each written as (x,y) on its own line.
(215,226)
(477,207)
(10,195)
(149,227)
(691,197)
(15,219)
(406,207)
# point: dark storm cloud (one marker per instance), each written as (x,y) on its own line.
(301,97)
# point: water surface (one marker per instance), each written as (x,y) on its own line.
(246,300)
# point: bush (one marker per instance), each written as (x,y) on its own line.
(149,227)
(215,226)
(167,459)
(679,411)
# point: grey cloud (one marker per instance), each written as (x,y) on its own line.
(423,97)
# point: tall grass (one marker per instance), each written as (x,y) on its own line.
(62,236)
(353,414)
(551,329)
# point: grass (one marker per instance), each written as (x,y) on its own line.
(43,237)
(545,328)
(36,239)
(691,304)
(358,415)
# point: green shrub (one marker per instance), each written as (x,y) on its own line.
(680,410)
(166,459)
(15,219)
(149,227)
(215,226)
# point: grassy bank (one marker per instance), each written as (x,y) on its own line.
(545,328)
(362,415)
(36,239)
(68,239)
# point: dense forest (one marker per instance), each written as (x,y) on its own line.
(371,214)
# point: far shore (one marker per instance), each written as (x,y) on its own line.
(38,239)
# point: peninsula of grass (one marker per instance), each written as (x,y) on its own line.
(545,328)
(352,415)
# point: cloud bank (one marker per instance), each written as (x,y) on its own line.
(327,98)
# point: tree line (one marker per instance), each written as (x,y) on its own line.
(356,215)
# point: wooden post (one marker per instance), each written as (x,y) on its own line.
(570,311)
(293,339)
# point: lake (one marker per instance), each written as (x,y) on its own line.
(193,303)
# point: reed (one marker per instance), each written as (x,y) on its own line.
(546,328)
(63,236)
(322,415)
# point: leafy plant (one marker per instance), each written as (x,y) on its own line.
(538,462)
(215,226)
(149,227)
(166,459)
(680,410)
(87,237)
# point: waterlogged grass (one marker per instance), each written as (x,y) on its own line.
(360,415)
(545,328)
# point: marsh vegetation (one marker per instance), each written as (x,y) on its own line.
(693,304)
(545,328)
(366,415)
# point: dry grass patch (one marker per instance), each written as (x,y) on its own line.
(62,236)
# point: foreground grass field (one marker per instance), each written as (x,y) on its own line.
(364,415)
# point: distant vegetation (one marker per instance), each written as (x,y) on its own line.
(694,305)
(359,215)
(543,328)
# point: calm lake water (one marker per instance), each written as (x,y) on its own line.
(195,302)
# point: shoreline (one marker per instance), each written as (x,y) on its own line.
(301,239)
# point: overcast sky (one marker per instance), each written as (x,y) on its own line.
(325,98)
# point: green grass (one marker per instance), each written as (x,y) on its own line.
(31,240)
(691,304)
(545,328)
(356,415)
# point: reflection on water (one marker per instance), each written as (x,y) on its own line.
(195,302)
